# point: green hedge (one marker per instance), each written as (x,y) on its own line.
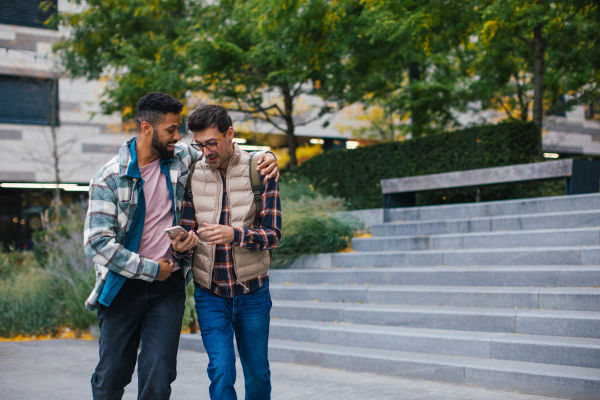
(311,223)
(355,174)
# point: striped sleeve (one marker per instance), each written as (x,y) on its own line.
(268,234)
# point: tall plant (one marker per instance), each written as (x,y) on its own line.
(59,251)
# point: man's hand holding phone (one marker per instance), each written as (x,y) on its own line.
(182,241)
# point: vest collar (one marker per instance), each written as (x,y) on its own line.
(235,158)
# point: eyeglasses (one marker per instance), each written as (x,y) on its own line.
(212,146)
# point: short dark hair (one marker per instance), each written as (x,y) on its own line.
(154,106)
(208,116)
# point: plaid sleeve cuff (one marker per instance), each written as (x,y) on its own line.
(179,256)
(238,237)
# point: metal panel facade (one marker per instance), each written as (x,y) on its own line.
(24,100)
(26,12)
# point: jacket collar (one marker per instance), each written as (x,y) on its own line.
(125,156)
(128,164)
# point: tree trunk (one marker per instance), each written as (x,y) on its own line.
(523,103)
(289,120)
(539,68)
(414,74)
(56,166)
(390,120)
(53,125)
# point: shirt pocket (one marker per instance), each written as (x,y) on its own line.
(123,217)
(124,205)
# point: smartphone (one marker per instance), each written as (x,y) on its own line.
(174,231)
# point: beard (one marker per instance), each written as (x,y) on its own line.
(161,148)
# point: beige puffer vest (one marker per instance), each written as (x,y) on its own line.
(207,197)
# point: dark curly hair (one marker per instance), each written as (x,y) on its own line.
(154,106)
(207,116)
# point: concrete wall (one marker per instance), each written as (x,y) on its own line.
(87,139)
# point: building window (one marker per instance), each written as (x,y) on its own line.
(32,13)
(26,100)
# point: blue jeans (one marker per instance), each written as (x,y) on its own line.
(247,316)
(148,311)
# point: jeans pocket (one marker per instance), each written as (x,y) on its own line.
(263,288)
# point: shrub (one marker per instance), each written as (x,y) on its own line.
(310,225)
(45,290)
(29,304)
(15,262)
(355,174)
(59,250)
(189,312)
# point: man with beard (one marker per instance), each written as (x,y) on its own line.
(140,273)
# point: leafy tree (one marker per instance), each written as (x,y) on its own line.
(128,41)
(403,60)
(537,51)
(419,60)
(261,56)
(258,57)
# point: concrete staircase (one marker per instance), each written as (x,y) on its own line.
(503,295)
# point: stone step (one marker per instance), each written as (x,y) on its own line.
(539,205)
(503,239)
(540,276)
(533,322)
(521,222)
(579,352)
(525,377)
(526,256)
(581,299)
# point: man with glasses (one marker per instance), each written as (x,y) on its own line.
(232,258)
(140,273)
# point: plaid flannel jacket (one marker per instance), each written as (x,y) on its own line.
(113,199)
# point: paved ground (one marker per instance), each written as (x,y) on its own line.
(61,370)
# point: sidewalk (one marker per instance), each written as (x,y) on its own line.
(61,370)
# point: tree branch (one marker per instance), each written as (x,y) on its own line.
(308,121)
(527,42)
(297,91)
(258,109)
(520,94)
(268,119)
(507,111)
(265,118)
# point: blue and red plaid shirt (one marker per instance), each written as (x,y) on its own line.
(265,237)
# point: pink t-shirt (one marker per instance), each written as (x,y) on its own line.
(154,243)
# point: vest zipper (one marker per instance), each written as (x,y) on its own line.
(237,275)
(214,249)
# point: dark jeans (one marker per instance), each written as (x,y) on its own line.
(248,316)
(148,311)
